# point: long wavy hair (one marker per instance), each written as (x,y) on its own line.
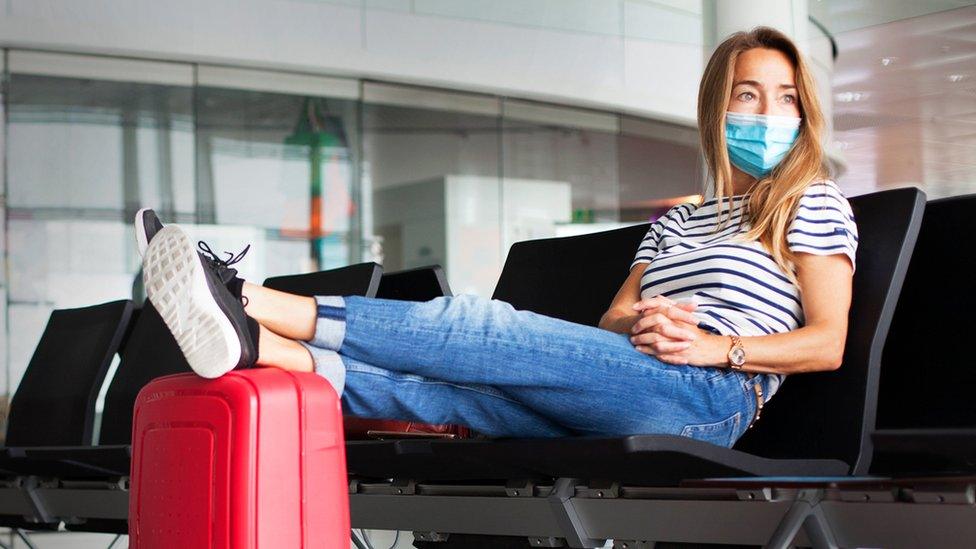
(774,199)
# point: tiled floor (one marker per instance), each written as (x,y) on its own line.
(65,540)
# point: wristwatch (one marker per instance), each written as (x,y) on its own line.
(737,354)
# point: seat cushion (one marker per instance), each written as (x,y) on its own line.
(639,460)
(69,461)
(908,452)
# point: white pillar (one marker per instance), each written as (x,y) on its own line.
(788,16)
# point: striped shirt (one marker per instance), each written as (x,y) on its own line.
(737,285)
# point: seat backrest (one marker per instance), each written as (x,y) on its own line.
(927,378)
(150,352)
(360,279)
(55,401)
(420,284)
(573,278)
(830,415)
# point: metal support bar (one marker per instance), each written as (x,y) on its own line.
(70,504)
(23,537)
(632,544)
(568,519)
(805,513)
(38,509)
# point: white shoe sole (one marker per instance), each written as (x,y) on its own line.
(176,284)
(141,242)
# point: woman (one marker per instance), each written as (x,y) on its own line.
(724,298)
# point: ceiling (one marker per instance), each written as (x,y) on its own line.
(905,104)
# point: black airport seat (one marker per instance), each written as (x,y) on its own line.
(55,402)
(817,424)
(926,418)
(419,284)
(360,279)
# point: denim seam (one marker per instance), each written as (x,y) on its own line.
(420,379)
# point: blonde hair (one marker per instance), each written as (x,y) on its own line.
(774,199)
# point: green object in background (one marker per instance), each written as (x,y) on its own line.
(583,215)
(318,130)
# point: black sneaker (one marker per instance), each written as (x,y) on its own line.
(147,225)
(222,267)
(206,319)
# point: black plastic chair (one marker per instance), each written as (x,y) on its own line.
(926,418)
(817,425)
(360,279)
(54,405)
(55,402)
(420,284)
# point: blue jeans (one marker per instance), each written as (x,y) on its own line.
(506,373)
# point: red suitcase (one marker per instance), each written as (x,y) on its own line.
(252,460)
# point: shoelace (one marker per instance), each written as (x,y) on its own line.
(217,263)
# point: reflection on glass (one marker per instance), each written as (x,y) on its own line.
(566,160)
(435,190)
(444,178)
(283,163)
(659,166)
(82,156)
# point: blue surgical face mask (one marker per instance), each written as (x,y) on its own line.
(757,143)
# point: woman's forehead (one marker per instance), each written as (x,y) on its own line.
(767,66)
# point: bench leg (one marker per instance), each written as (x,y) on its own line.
(804,513)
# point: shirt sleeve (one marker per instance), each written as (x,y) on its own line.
(650,246)
(824,223)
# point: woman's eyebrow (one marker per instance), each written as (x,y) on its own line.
(758,84)
(748,82)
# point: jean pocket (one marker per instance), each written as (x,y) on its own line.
(722,433)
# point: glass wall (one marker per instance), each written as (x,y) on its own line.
(431,162)
(281,168)
(82,154)
(313,172)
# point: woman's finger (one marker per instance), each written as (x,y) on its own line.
(682,312)
(646,338)
(675,359)
(652,339)
(664,347)
(647,322)
(672,331)
(655,302)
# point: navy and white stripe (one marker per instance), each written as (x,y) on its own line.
(737,285)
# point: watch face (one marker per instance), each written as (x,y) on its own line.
(737,356)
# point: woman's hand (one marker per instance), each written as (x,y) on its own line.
(668,331)
(664,326)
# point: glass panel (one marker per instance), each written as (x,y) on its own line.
(560,170)
(284,164)
(433,175)
(659,165)
(4,334)
(83,155)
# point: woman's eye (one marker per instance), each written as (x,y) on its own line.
(789,99)
(746,96)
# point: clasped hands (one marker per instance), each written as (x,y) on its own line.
(667,330)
